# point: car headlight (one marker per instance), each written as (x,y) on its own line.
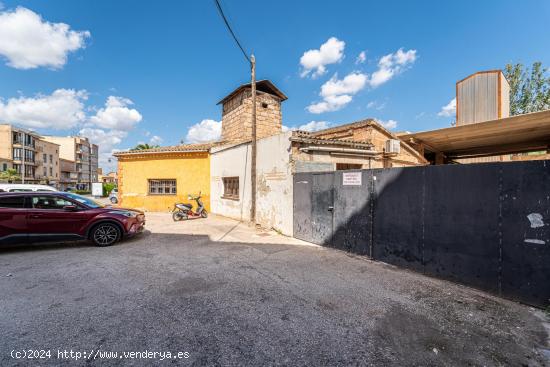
(126,213)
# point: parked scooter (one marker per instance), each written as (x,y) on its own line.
(183,211)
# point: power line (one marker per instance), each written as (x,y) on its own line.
(220,10)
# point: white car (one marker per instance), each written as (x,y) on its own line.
(113,196)
(25,187)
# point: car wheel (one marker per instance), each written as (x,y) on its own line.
(105,234)
(204,214)
(114,200)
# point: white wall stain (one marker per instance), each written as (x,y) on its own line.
(532,240)
(536,220)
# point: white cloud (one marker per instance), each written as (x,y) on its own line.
(107,142)
(109,126)
(391,65)
(27,41)
(63,109)
(116,115)
(361,58)
(351,84)
(204,131)
(376,105)
(330,52)
(337,93)
(330,104)
(156,140)
(310,126)
(388,124)
(449,109)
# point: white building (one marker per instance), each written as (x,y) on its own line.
(230,182)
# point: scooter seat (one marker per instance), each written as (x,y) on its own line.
(186,206)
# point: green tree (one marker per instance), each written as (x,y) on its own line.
(529,89)
(144,146)
(10,175)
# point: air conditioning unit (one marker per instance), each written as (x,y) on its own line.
(393,146)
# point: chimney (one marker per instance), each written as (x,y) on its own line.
(482,96)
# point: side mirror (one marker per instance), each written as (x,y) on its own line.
(70,208)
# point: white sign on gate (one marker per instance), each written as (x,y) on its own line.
(351,178)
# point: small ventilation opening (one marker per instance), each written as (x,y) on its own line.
(264,105)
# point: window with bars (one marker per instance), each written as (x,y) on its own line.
(162,187)
(231,187)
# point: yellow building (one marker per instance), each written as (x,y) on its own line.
(155,179)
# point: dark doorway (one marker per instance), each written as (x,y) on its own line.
(346,166)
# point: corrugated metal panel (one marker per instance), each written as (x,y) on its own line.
(495,158)
(477,98)
(505,97)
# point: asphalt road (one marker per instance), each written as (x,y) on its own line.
(229,295)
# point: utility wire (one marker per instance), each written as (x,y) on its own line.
(220,10)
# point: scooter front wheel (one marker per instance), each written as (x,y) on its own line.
(204,214)
(177,216)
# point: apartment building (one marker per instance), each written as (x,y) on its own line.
(94,162)
(68,177)
(48,170)
(18,150)
(83,155)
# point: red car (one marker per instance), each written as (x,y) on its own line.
(62,216)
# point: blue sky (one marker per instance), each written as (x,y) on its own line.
(128,71)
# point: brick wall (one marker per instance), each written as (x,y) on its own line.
(237,117)
(378,137)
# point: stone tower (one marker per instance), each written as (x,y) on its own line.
(237,112)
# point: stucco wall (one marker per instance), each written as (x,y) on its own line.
(52,149)
(6,142)
(274,182)
(67,146)
(274,189)
(329,159)
(231,161)
(191,171)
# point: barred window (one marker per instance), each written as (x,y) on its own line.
(231,187)
(162,187)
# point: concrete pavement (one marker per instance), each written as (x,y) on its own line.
(228,294)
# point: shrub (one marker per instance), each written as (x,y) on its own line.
(82,192)
(107,188)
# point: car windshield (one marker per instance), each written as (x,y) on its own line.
(84,200)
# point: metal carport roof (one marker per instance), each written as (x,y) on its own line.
(515,134)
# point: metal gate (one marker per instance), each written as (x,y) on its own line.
(485,225)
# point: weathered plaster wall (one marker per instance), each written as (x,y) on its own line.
(231,161)
(191,171)
(274,182)
(326,157)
